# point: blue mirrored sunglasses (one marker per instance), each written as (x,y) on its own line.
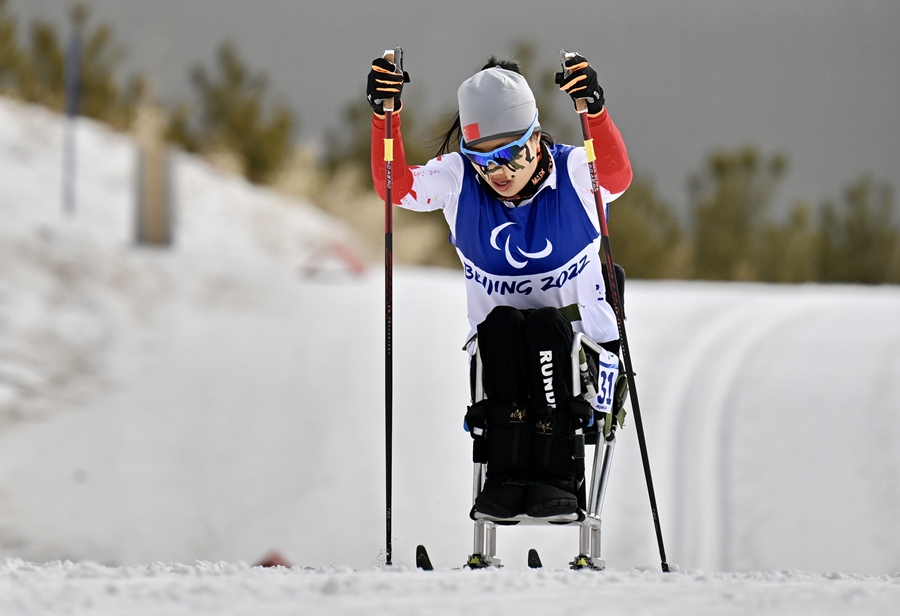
(502,155)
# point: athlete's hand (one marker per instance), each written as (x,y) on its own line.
(580,81)
(384,83)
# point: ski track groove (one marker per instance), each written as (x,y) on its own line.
(700,429)
(717,433)
(673,417)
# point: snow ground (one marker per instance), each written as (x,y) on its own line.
(233,590)
(208,403)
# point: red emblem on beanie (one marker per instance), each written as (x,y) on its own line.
(470,132)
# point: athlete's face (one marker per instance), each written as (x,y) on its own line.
(509,179)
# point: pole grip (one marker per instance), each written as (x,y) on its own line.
(388,103)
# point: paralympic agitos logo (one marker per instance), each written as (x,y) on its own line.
(508,251)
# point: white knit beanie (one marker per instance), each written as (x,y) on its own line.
(495,103)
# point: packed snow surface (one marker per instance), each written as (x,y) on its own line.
(213,401)
(234,589)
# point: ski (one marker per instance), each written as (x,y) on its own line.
(477,561)
(422,560)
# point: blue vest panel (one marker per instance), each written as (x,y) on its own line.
(531,239)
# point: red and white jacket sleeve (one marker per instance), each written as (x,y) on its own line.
(402,177)
(613,165)
(435,185)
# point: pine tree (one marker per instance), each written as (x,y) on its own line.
(39,71)
(730,200)
(644,234)
(786,251)
(10,54)
(41,77)
(102,96)
(859,242)
(233,117)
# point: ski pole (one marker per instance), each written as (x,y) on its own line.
(581,108)
(396,57)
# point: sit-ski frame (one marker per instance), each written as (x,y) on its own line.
(485,545)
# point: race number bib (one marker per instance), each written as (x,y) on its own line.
(608,368)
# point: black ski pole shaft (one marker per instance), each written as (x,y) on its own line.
(394,56)
(581,107)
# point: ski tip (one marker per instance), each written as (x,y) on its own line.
(422,560)
(534,559)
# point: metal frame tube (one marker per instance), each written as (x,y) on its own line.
(576,369)
(477,484)
(478,543)
(595,542)
(490,543)
(595,476)
(600,476)
(578,341)
(479,369)
(584,537)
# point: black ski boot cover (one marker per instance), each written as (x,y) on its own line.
(558,460)
(509,435)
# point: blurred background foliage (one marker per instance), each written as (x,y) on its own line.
(32,68)
(235,121)
(231,115)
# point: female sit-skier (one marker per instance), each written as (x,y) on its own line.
(524,222)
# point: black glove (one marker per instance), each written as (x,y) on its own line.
(384,83)
(580,81)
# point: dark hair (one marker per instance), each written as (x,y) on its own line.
(448,142)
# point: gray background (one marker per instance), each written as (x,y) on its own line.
(817,79)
